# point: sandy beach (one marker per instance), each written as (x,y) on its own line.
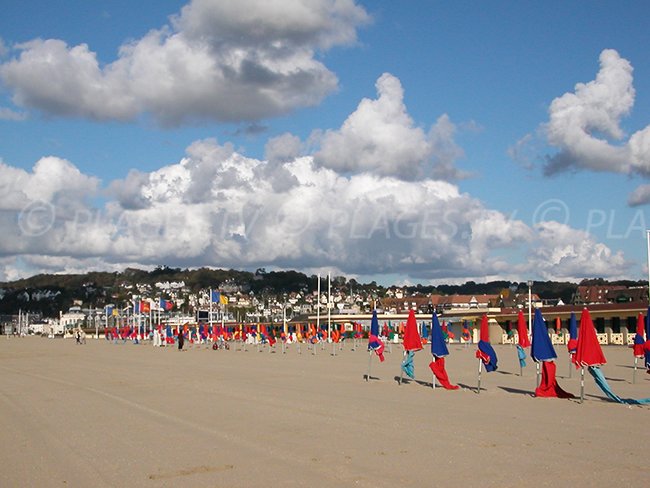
(105,414)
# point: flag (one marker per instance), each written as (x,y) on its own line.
(223,300)
(108,310)
(145,306)
(215,296)
(166,305)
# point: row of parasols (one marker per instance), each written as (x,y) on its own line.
(583,347)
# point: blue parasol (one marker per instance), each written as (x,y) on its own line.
(374,324)
(541,348)
(438,345)
(573,327)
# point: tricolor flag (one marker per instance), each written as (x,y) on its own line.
(166,305)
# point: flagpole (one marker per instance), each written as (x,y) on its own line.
(530,308)
(647,232)
(329,307)
(369,363)
(210,309)
(433,358)
(318,308)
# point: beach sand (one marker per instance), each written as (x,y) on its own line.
(105,414)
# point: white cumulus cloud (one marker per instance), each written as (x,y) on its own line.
(585,126)
(216,207)
(563,253)
(381,137)
(226,61)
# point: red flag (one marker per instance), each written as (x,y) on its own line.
(589,352)
(412,340)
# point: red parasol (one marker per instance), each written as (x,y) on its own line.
(639,342)
(589,352)
(522,330)
(412,340)
(485,330)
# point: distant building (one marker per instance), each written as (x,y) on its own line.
(593,294)
(459,302)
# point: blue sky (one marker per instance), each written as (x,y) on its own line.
(398,141)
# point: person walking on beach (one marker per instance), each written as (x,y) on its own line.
(181,339)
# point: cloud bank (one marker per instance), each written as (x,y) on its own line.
(216,207)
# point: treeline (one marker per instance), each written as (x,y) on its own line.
(49,293)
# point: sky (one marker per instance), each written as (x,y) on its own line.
(401,142)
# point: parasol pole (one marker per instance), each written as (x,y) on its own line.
(369,363)
(480,370)
(582,384)
(433,381)
(537,366)
(401,370)
(636,360)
